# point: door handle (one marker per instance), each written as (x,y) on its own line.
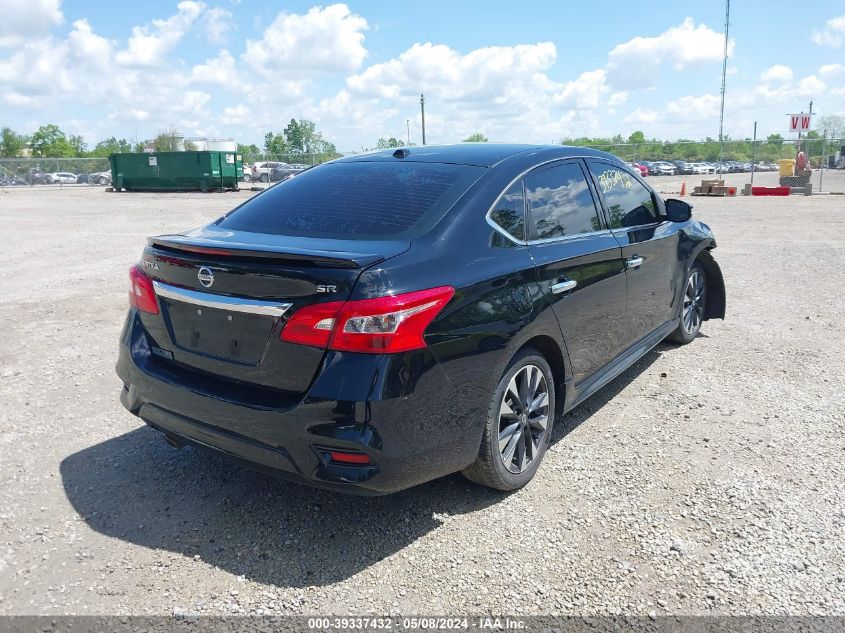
(634,262)
(564,285)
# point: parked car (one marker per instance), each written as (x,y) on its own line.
(100,178)
(662,168)
(246,173)
(640,168)
(283,173)
(12,181)
(36,177)
(702,168)
(338,329)
(682,168)
(261,170)
(61,177)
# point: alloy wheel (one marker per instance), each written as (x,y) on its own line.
(523,418)
(693,303)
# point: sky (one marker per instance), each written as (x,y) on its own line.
(517,72)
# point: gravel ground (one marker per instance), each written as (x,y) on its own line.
(706,479)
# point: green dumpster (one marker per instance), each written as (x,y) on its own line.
(175,171)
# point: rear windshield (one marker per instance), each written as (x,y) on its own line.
(356,200)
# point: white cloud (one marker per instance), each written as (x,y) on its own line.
(640,115)
(149,46)
(811,86)
(24,20)
(617,99)
(327,39)
(831,34)
(193,102)
(776,73)
(635,63)
(218,22)
(221,70)
(483,75)
(585,92)
(694,108)
(236,114)
(87,50)
(831,69)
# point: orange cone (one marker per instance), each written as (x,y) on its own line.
(683,188)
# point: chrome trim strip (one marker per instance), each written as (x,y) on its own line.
(221,302)
(566,238)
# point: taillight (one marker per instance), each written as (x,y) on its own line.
(343,457)
(384,325)
(312,325)
(141,292)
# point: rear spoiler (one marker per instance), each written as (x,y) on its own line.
(315,257)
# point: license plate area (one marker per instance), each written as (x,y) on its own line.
(229,335)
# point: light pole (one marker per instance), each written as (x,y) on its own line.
(753,152)
(724,78)
(422,112)
(408,125)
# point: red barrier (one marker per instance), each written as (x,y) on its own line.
(770,191)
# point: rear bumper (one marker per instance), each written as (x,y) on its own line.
(394,409)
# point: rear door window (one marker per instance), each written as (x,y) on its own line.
(560,203)
(357,200)
(509,212)
(628,201)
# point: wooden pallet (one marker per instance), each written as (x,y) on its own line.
(719,191)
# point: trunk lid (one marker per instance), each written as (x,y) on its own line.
(224,297)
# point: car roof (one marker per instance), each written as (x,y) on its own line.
(479,154)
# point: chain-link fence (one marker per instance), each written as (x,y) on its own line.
(54,171)
(691,157)
(737,156)
(97,171)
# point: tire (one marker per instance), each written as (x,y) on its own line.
(265,177)
(247,178)
(693,306)
(507,429)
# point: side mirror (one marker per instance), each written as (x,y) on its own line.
(678,210)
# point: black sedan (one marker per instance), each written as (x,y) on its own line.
(382,320)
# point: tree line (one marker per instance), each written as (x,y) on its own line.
(773,147)
(299,137)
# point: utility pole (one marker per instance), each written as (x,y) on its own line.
(724,79)
(807,147)
(422,111)
(753,152)
(824,158)
(408,125)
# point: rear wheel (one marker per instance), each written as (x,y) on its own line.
(265,177)
(519,425)
(693,307)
